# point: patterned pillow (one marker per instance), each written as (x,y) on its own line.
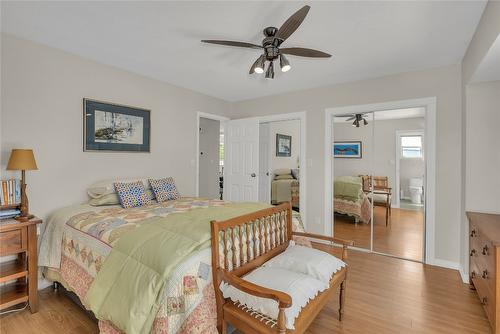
(132,194)
(164,189)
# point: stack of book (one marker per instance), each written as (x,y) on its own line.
(10,213)
(10,192)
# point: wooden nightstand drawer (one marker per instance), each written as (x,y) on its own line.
(14,241)
(19,238)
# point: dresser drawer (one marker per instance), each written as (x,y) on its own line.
(487,298)
(13,241)
(483,259)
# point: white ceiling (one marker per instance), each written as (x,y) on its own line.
(388,114)
(162,39)
(489,68)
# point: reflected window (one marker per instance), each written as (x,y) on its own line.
(411,147)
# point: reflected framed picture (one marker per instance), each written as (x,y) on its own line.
(283,145)
(114,127)
(348,149)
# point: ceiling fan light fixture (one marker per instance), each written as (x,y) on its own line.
(284,64)
(258,66)
(365,122)
(270,71)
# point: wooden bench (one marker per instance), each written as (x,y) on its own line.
(237,250)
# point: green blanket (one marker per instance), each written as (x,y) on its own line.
(128,290)
(348,188)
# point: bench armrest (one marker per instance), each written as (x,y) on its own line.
(284,300)
(345,243)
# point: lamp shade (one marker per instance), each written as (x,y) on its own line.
(21,159)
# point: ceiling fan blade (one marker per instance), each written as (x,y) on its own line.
(292,23)
(351,119)
(304,52)
(232,43)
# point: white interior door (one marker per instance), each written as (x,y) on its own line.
(264,173)
(241,179)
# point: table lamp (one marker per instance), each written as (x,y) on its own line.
(23,160)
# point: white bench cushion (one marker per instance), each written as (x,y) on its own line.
(308,261)
(300,287)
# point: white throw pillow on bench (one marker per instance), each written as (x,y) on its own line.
(308,261)
(300,287)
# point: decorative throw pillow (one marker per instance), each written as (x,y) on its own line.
(164,189)
(282,171)
(284,177)
(296,173)
(132,194)
(113,199)
(307,261)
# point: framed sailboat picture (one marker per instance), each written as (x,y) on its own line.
(113,127)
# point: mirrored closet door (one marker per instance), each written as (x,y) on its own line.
(352,159)
(398,183)
(378,181)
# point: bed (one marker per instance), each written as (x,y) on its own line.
(81,243)
(350,199)
(285,187)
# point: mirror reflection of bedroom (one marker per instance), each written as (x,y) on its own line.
(279,162)
(379,178)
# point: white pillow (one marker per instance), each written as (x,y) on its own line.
(300,287)
(106,187)
(308,261)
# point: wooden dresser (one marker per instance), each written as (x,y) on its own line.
(484,263)
(20,239)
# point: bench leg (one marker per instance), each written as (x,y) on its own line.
(342,299)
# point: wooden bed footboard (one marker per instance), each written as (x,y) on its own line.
(241,244)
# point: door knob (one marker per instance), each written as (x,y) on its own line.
(253,175)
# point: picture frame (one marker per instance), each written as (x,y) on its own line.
(283,145)
(114,127)
(348,149)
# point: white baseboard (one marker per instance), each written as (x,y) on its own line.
(465,276)
(445,264)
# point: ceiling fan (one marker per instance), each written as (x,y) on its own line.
(358,118)
(271,45)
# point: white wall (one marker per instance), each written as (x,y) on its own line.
(42,92)
(289,128)
(379,146)
(209,160)
(483,147)
(486,33)
(443,83)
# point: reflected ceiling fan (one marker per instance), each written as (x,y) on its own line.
(271,45)
(358,118)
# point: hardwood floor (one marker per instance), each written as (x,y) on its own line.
(384,296)
(402,238)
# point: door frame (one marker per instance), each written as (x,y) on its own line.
(429,104)
(222,120)
(399,134)
(301,115)
(269,157)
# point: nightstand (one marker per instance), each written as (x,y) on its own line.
(19,238)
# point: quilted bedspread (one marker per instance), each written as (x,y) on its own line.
(82,238)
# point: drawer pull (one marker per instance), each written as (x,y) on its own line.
(473,233)
(484,301)
(473,274)
(472,252)
(485,250)
(485,274)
